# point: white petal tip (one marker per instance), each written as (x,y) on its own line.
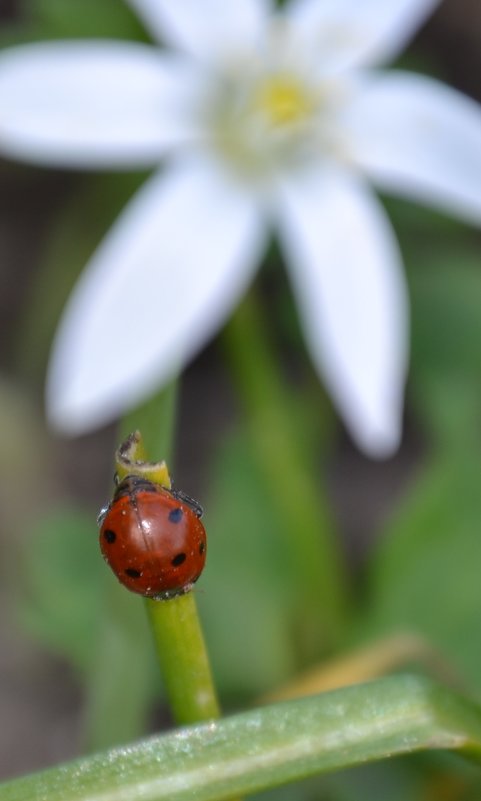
(379,441)
(73,411)
(70,420)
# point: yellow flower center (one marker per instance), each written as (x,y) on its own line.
(284,100)
(266,119)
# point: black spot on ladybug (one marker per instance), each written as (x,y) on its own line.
(202,548)
(175,516)
(133,573)
(110,535)
(178,559)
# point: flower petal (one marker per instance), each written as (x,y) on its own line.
(160,284)
(206,28)
(348,33)
(93,103)
(346,271)
(419,138)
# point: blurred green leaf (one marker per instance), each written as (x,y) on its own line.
(425,573)
(57,19)
(446,346)
(422,228)
(78,230)
(25,463)
(61,593)
(122,680)
(446,312)
(73,604)
(305,530)
(250,632)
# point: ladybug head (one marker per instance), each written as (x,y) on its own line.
(133,484)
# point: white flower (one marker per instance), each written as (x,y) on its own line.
(270,120)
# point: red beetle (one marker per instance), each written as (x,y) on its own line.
(153,539)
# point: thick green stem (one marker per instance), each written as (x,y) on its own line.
(306,523)
(183,658)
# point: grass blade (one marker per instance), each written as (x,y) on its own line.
(269,746)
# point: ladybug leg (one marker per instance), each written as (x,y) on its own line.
(194,505)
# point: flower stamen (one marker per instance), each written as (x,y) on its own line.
(283,100)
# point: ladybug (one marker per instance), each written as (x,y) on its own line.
(153,538)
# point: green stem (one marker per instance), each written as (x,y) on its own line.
(305,519)
(111,716)
(156,419)
(183,658)
(175,623)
